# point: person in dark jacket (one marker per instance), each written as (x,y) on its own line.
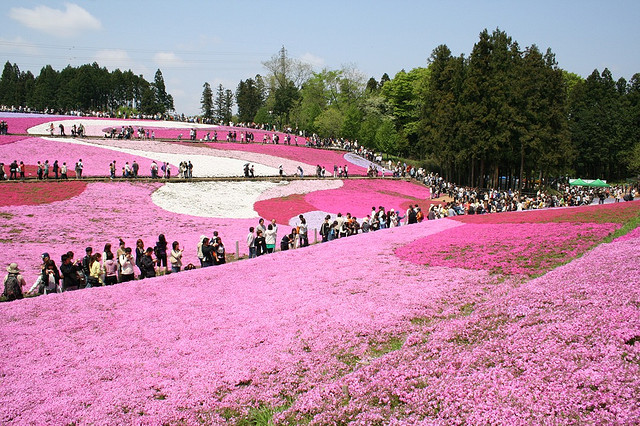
(161,253)
(219,252)
(139,255)
(86,263)
(261,243)
(148,264)
(207,253)
(284,243)
(69,272)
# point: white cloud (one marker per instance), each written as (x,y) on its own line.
(312,60)
(167,59)
(62,23)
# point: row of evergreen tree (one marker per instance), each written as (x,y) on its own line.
(84,88)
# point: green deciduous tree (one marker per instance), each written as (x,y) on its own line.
(329,122)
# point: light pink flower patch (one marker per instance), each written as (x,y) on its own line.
(156,351)
(523,248)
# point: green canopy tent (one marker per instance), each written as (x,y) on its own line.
(599,184)
(578,182)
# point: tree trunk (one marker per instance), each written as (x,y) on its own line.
(472,172)
(521,167)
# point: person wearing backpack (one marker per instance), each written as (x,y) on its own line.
(13,283)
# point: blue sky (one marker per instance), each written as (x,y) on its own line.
(222,42)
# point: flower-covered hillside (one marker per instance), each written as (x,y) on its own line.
(335,333)
(299,154)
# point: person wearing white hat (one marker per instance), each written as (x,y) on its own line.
(13,283)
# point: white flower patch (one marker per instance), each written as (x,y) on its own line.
(211,199)
(95,127)
(300,187)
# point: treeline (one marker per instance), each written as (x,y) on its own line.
(503,116)
(83,88)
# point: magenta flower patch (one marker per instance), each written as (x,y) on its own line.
(358,196)
(509,248)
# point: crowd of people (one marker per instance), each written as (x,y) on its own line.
(97,269)
(46,170)
(128,132)
(466,200)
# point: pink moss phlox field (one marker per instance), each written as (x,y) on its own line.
(300,187)
(292,156)
(188,346)
(561,349)
(155,147)
(9,139)
(284,208)
(353,196)
(510,248)
(94,158)
(455,346)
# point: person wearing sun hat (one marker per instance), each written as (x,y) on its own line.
(13,283)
